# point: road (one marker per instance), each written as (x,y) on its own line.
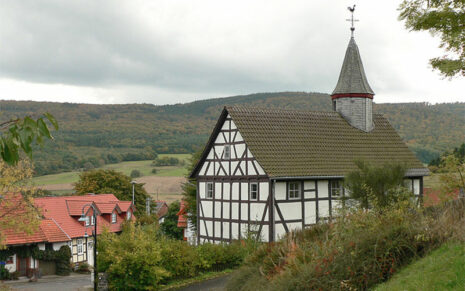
(75,282)
(216,284)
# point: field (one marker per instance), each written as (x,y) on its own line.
(443,269)
(166,182)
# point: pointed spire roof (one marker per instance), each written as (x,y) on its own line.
(352,78)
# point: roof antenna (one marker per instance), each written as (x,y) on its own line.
(352,20)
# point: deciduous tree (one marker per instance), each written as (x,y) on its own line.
(446,19)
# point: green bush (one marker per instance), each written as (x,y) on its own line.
(83,268)
(135,174)
(154,171)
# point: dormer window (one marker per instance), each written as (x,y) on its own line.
(87,222)
(128,215)
(113,217)
(92,220)
(227,152)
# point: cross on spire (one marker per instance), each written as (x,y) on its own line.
(352,20)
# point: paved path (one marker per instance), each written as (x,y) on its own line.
(74,282)
(216,284)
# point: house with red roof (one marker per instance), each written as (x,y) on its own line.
(185,224)
(60,225)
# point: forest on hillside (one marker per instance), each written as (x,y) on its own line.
(93,135)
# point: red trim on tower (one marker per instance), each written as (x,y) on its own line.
(352,95)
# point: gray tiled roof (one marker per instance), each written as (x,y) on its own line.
(352,78)
(293,143)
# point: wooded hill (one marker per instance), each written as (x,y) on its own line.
(92,135)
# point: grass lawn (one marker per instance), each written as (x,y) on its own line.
(124,167)
(443,269)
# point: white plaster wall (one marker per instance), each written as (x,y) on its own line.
(264,189)
(245,191)
(290,210)
(235,230)
(259,168)
(226,191)
(279,231)
(235,210)
(256,211)
(233,125)
(217,209)
(323,189)
(202,189)
(243,168)
(209,227)
(310,212)
(41,246)
(244,211)
(264,235)
(294,226)
(309,185)
(58,245)
(336,206)
(217,229)
(207,207)
(240,148)
(280,190)
(235,191)
(323,209)
(251,170)
(225,167)
(217,190)
(226,210)
(239,138)
(225,125)
(226,230)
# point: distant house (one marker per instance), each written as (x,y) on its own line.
(271,171)
(60,226)
(184,223)
(161,209)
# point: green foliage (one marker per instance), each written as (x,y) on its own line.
(83,268)
(167,161)
(109,181)
(377,186)
(189,190)
(154,171)
(446,19)
(453,177)
(458,153)
(140,258)
(20,134)
(170,224)
(135,174)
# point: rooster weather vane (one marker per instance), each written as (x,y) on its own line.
(352,20)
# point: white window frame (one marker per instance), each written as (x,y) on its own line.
(294,189)
(336,192)
(80,246)
(253,191)
(87,223)
(92,220)
(113,217)
(209,191)
(128,214)
(227,152)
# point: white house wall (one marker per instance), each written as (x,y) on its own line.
(231,212)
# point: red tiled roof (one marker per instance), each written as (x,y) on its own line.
(48,231)
(108,208)
(56,208)
(182,219)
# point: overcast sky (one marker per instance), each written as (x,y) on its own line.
(166,52)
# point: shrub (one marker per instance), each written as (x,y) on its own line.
(135,174)
(154,171)
(83,268)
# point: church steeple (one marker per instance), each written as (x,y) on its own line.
(353,96)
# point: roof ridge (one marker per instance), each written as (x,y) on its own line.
(279,109)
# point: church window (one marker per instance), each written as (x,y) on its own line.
(253,191)
(294,190)
(336,188)
(209,190)
(227,152)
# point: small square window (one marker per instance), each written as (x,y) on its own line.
(209,190)
(336,188)
(227,152)
(294,190)
(113,217)
(253,191)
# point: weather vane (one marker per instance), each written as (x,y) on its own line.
(352,20)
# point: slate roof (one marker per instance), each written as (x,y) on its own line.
(294,143)
(352,78)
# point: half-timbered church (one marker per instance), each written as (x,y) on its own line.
(273,170)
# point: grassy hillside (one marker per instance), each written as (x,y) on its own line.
(443,269)
(94,135)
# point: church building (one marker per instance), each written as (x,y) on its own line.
(273,171)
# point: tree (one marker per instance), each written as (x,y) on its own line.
(135,174)
(189,189)
(376,186)
(170,223)
(17,211)
(20,134)
(109,181)
(453,177)
(446,19)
